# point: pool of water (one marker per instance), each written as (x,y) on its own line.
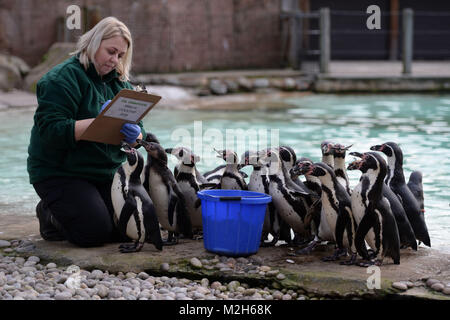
(420,124)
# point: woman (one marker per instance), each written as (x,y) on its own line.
(71,176)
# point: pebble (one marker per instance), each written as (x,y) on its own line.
(400,285)
(430,282)
(446,291)
(281,276)
(196,263)
(4,243)
(438,286)
(164,266)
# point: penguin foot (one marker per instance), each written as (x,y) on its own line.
(337,254)
(170,242)
(131,247)
(368,263)
(308,249)
(198,237)
(350,262)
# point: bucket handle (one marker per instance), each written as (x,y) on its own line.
(232,198)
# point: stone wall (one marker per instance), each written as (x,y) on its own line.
(169,35)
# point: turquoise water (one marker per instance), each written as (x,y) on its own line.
(420,124)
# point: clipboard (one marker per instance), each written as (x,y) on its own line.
(127,106)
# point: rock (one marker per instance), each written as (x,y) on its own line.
(102,291)
(277,295)
(290,261)
(261,83)
(57,53)
(233,285)
(400,286)
(215,285)
(409,284)
(4,243)
(286,297)
(430,282)
(114,294)
(218,87)
(289,84)
(245,84)
(164,267)
(446,291)
(265,268)
(12,71)
(438,286)
(34,259)
(8,250)
(232,86)
(51,265)
(130,275)
(281,276)
(96,274)
(65,295)
(205,282)
(196,263)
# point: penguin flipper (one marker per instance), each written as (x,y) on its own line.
(341,223)
(366,223)
(127,211)
(151,224)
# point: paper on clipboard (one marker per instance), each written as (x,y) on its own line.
(127,106)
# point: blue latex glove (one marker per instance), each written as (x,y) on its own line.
(104,106)
(131,132)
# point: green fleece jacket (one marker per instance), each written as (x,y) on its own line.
(65,94)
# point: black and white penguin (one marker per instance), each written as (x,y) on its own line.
(288,198)
(134,211)
(396,180)
(372,211)
(179,150)
(416,187)
(405,231)
(327,153)
(231,178)
(189,184)
(340,169)
(169,201)
(336,208)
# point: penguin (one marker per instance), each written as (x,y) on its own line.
(169,201)
(405,231)
(289,158)
(376,222)
(215,174)
(196,159)
(134,211)
(339,152)
(336,207)
(287,197)
(315,217)
(327,153)
(416,187)
(150,137)
(231,178)
(395,179)
(259,182)
(189,184)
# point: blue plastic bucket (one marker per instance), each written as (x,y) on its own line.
(233,220)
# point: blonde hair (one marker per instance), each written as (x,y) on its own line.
(89,43)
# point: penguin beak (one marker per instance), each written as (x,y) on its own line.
(125,147)
(377,147)
(143,143)
(356,154)
(348,147)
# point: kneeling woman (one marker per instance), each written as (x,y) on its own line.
(73,177)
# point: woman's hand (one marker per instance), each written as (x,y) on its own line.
(131,132)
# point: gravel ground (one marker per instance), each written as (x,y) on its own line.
(28,279)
